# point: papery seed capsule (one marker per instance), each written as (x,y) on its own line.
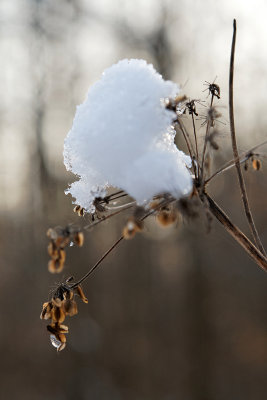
(79,239)
(46,311)
(52,266)
(68,295)
(132,227)
(166,218)
(80,293)
(56,329)
(256,164)
(70,307)
(57,302)
(77,209)
(58,315)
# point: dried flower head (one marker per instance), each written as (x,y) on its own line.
(59,239)
(62,304)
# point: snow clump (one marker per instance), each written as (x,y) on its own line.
(122,136)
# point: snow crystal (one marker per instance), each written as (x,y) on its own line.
(122,136)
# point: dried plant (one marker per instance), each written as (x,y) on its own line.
(165,207)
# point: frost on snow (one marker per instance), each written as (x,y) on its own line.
(122,136)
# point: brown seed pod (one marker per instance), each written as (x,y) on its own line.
(70,307)
(256,164)
(56,302)
(46,311)
(78,239)
(52,249)
(166,218)
(77,209)
(68,295)
(132,227)
(58,315)
(57,328)
(55,266)
(80,293)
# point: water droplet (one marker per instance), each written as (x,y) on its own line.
(71,244)
(54,341)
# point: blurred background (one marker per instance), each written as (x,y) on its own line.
(172,314)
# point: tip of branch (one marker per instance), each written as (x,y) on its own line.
(234,24)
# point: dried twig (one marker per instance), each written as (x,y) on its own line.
(235,151)
(205,140)
(242,158)
(236,233)
(160,205)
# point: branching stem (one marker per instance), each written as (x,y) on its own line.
(236,233)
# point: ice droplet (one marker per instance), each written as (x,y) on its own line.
(54,341)
(71,244)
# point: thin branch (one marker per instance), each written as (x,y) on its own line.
(243,157)
(205,140)
(105,217)
(162,204)
(236,233)
(235,150)
(97,263)
(188,143)
(195,137)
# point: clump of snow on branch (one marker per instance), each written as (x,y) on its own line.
(122,136)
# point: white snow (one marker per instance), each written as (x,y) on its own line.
(122,137)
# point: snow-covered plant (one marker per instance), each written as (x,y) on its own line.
(122,149)
(123,136)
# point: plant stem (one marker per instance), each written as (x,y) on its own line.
(236,233)
(162,204)
(206,140)
(235,151)
(243,157)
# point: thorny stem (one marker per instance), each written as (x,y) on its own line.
(162,204)
(235,150)
(243,157)
(236,233)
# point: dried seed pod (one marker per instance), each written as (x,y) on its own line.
(154,204)
(78,239)
(132,227)
(68,295)
(58,315)
(46,311)
(166,218)
(80,293)
(52,234)
(77,209)
(52,249)
(55,266)
(180,99)
(56,302)
(70,307)
(57,328)
(256,164)
(62,241)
